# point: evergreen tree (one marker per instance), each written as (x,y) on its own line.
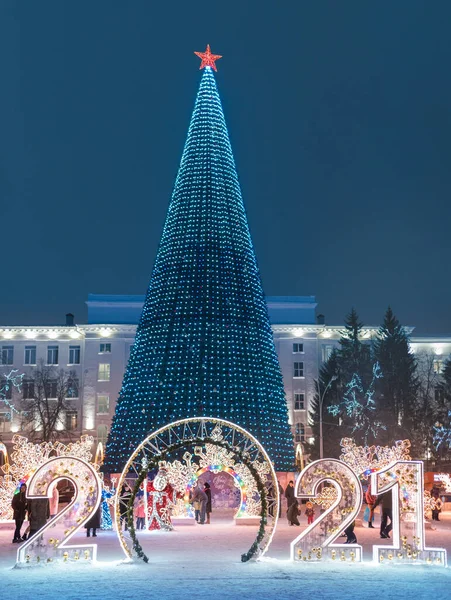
(397,389)
(204,344)
(442,426)
(354,354)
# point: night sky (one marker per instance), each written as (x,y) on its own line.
(339,114)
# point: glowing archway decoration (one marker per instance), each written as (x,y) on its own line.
(200,432)
(239,482)
(4,451)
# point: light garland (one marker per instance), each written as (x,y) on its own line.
(445,479)
(317,542)
(10,380)
(326,498)
(50,543)
(204,344)
(405,480)
(195,431)
(27,457)
(365,460)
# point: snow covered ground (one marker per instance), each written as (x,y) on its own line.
(205,561)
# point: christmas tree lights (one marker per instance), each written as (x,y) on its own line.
(204,344)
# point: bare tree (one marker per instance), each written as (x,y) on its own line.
(427,406)
(44,403)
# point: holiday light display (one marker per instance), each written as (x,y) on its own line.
(316,542)
(184,475)
(442,434)
(27,456)
(445,479)
(208,59)
(197,432)
(359,404)
(8,382)
(365,460)
(106,522)
(160,499)
(204,344)
(50,543)
(326,497)
(405,481)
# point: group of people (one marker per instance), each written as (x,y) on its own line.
(36,510)
(385,501)
(201,501)
(293,507)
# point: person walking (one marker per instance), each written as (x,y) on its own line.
(123,504)
(386,502)
(19,505)
(93,523)
(289,494)
(208,510)
(200,496)
(371,502)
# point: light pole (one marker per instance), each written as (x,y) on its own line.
(321,400)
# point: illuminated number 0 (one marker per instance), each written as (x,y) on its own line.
(51,541)
(316,542)
(404,480)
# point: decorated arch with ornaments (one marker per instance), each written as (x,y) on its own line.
(160,451)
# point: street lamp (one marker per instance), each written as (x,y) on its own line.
(321,400)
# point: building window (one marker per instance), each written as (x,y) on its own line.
(438,366)
(30,355)
(299,401)
(74,355)
(5,420)
(51,388)
(52,355)
(103,404)
(102,434)
(105,349)
(71,420)
(104,372)
(298,348)
(72,388)
(7,355)
(299,432)
(326,352)
(28,389)
(298,369)
(6,389)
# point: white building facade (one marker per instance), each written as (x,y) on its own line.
(96,354)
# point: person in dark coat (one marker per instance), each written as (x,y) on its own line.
(94,522)
(281,493)
(293,512)
(19,505)
(200,496)
(208,510)
(38,513)
(289,495)
(125,496)
(386,502)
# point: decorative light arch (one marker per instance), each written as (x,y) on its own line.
(188,432)
(240,483)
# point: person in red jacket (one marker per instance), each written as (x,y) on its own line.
(371,501)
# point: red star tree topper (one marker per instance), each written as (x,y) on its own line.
(208,59)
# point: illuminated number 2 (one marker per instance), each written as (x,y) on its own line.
(50,542)
(316,542)
(404,480)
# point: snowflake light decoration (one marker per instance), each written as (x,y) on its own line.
(10,381)
(442,434)
(360,405)
(364,460)
(326,498)
(445,479)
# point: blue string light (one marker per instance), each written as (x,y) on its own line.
(204,344)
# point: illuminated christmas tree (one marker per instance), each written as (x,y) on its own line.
(204,344)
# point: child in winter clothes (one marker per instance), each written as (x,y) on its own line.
(310,513)
(140,514)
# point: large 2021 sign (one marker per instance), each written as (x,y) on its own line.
(403,479)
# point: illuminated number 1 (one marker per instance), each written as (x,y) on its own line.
(404,480)
(316,542)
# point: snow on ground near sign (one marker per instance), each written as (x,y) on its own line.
(204,561)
